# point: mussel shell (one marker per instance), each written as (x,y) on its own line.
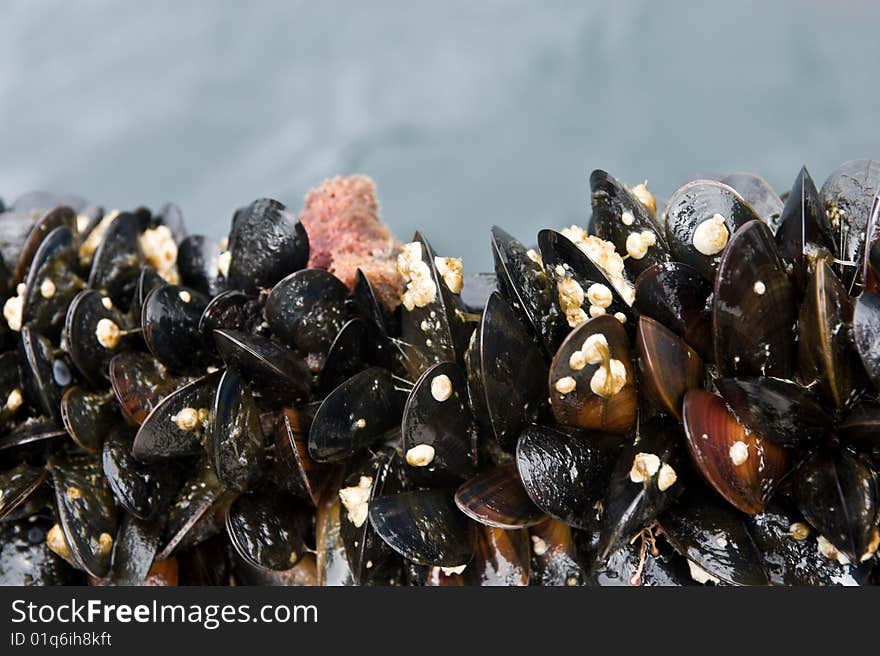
(44,375)
(140,382)
(556,561)
(54,261)
(861,428)
(501,558)
(10,381)
(159,437)
(779,410)
(512,372)
(197,263)
(20,250)
(582,407)
(566,474)
(237,443)
(424,527)
(170,323)
(33,434)
(446,424)
(678,297)
(866,331)
(134,551)
(267,528)
(698,201)
(26,560)
(267,242)
(86,511)
(117,262)
(610,199)
(623,567)
(379,320)
(87,417)
(758,193)
(206,564)
(333,568)
(347,355)
(354,415)
(496,497)
(837,493)
(231,310)
(91,358)
(711,534)
(753,323)
(826,352)
(143,490)
(147,281)
(265,363)
(668,366)
(528,288)
(306,310)
(304,573)
(16,485)
(297,471)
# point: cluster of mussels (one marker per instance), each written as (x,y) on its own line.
(684,392)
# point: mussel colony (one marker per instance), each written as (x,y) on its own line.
(683,392)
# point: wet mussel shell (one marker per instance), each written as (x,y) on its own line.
(297,471)
(668,366)
(91,358)
(45,374)
(555,561)
(624,567)
(496,497)
(501,558)
(170,323)
(231,310)
(51,283)
(197,263)
(25,559)
(237,443)
(140,382)
(268,365)
(88,416)
(16,485)
(116,264)
(347,355)
(134,551)
(758,193)
(866,332)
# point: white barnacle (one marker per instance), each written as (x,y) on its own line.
(539,545)
(739,452)
(105,543)
(420,288)
(666,477)
(577,360)
(421,455)
(450,268)
(645,465)
(57,543)
(599,294)
(565,385)
(14,400)
(609,380)
(361,423)
(47,288)
(627,218)
(356,498)
(160,251)
(603,254)
(108,333)
(638,243)
(535,257)
(441,387)
(449,571)
(759,288)
(799,531)
(187,419)
(184,296)
(595,348)
(645,197)
(620,316)
(571,298)
(107,302)
(711,235)
(14,308)
(596,311)
(224,260)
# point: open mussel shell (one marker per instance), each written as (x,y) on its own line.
(678,297)
(143,490)
(307,309)
(754,309)
(826,350)
(555,559)
(88,416)
(791,552)
(496,497)
(51,283)
(177,426)
(592,380)
(117,262)
(644,482)
(369,557)
(134,551)
(758,193)
(266,243)
(424,527)
(501,558)
(197,263)
(837,493)
(866,331)
(779,410)
(268,365)
(90,348)
(297,471)
(237,442)
(566,473)
(347,355)
(170,322)
(668,366)
(617,215)
(689,208)
(25,559)
(267,528)
(354,415)
(507,373)
(740,465)
(528,288)
(45,374)
(16,485)
(86,511)
(714,537)
(438,429)
(139,383)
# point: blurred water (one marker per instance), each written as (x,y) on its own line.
(465,113)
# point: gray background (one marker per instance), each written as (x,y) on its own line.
(465,113)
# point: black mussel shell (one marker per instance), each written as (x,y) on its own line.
(143,490)
(266,243)
(231,310)
(566,473)
(866,330)
(556,561)
(134,551)
(380,322)
(837,493)
(678,297)
(307,309)
(51,283)
(501,558)
(347,355)
(197,263)
(438,427)
(424,527)
(237,442)
(754,311)
(87,315)
(779,410)
(44,375)
(528,288)
(117,261)
(693,204)
(25,559)
(511,373)
(10,389)
(208,563)
(177,426)
(267,528)
(635,564)
(139,383)
(147,281)
(617,215)
(713,536)
(25,236)
(668,366)
(170,323)
(171,216)
(861,428)
(354,415)
(86,511)
(496,497)
(33,435)
(16,485)
(645,482)
(265,363)
(758,193)
(297,471)
(333,568)
(88,416)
